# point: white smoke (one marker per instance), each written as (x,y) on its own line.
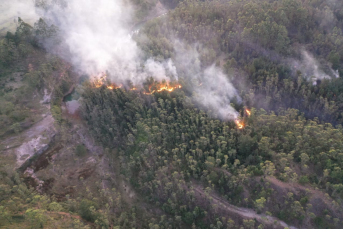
(311,68)
(96,39)
(216,93)
(158,70)
(97,36)
(212,88)
(10,10)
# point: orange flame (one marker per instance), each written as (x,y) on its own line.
(240,124)
(111,87)
(248,112)
(149,93)
(162,87)
(98,83)
(158,87)
(168,88)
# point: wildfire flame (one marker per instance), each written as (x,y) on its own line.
(240,124)
(111,87)
(148,93)
(99,82)
(168,88)
(162,87)
(158,87)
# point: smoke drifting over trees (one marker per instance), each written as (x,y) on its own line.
(311,69)
(96,39)
(153,124)
(99,40)
(212,88)
(102,41)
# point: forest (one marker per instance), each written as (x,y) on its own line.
(167,161)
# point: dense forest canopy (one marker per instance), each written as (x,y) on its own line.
(274,66)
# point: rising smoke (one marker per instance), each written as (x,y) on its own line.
(311,68)
(212,88)
(10,10)
(96,38)
(307,64)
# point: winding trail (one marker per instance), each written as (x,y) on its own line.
(244,212)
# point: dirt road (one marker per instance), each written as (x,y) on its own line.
(244,212)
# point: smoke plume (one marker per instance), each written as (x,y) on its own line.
(306,63)
(312,69)
(212,88)
(95,37)
(10,10)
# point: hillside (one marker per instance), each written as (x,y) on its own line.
(171,114)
